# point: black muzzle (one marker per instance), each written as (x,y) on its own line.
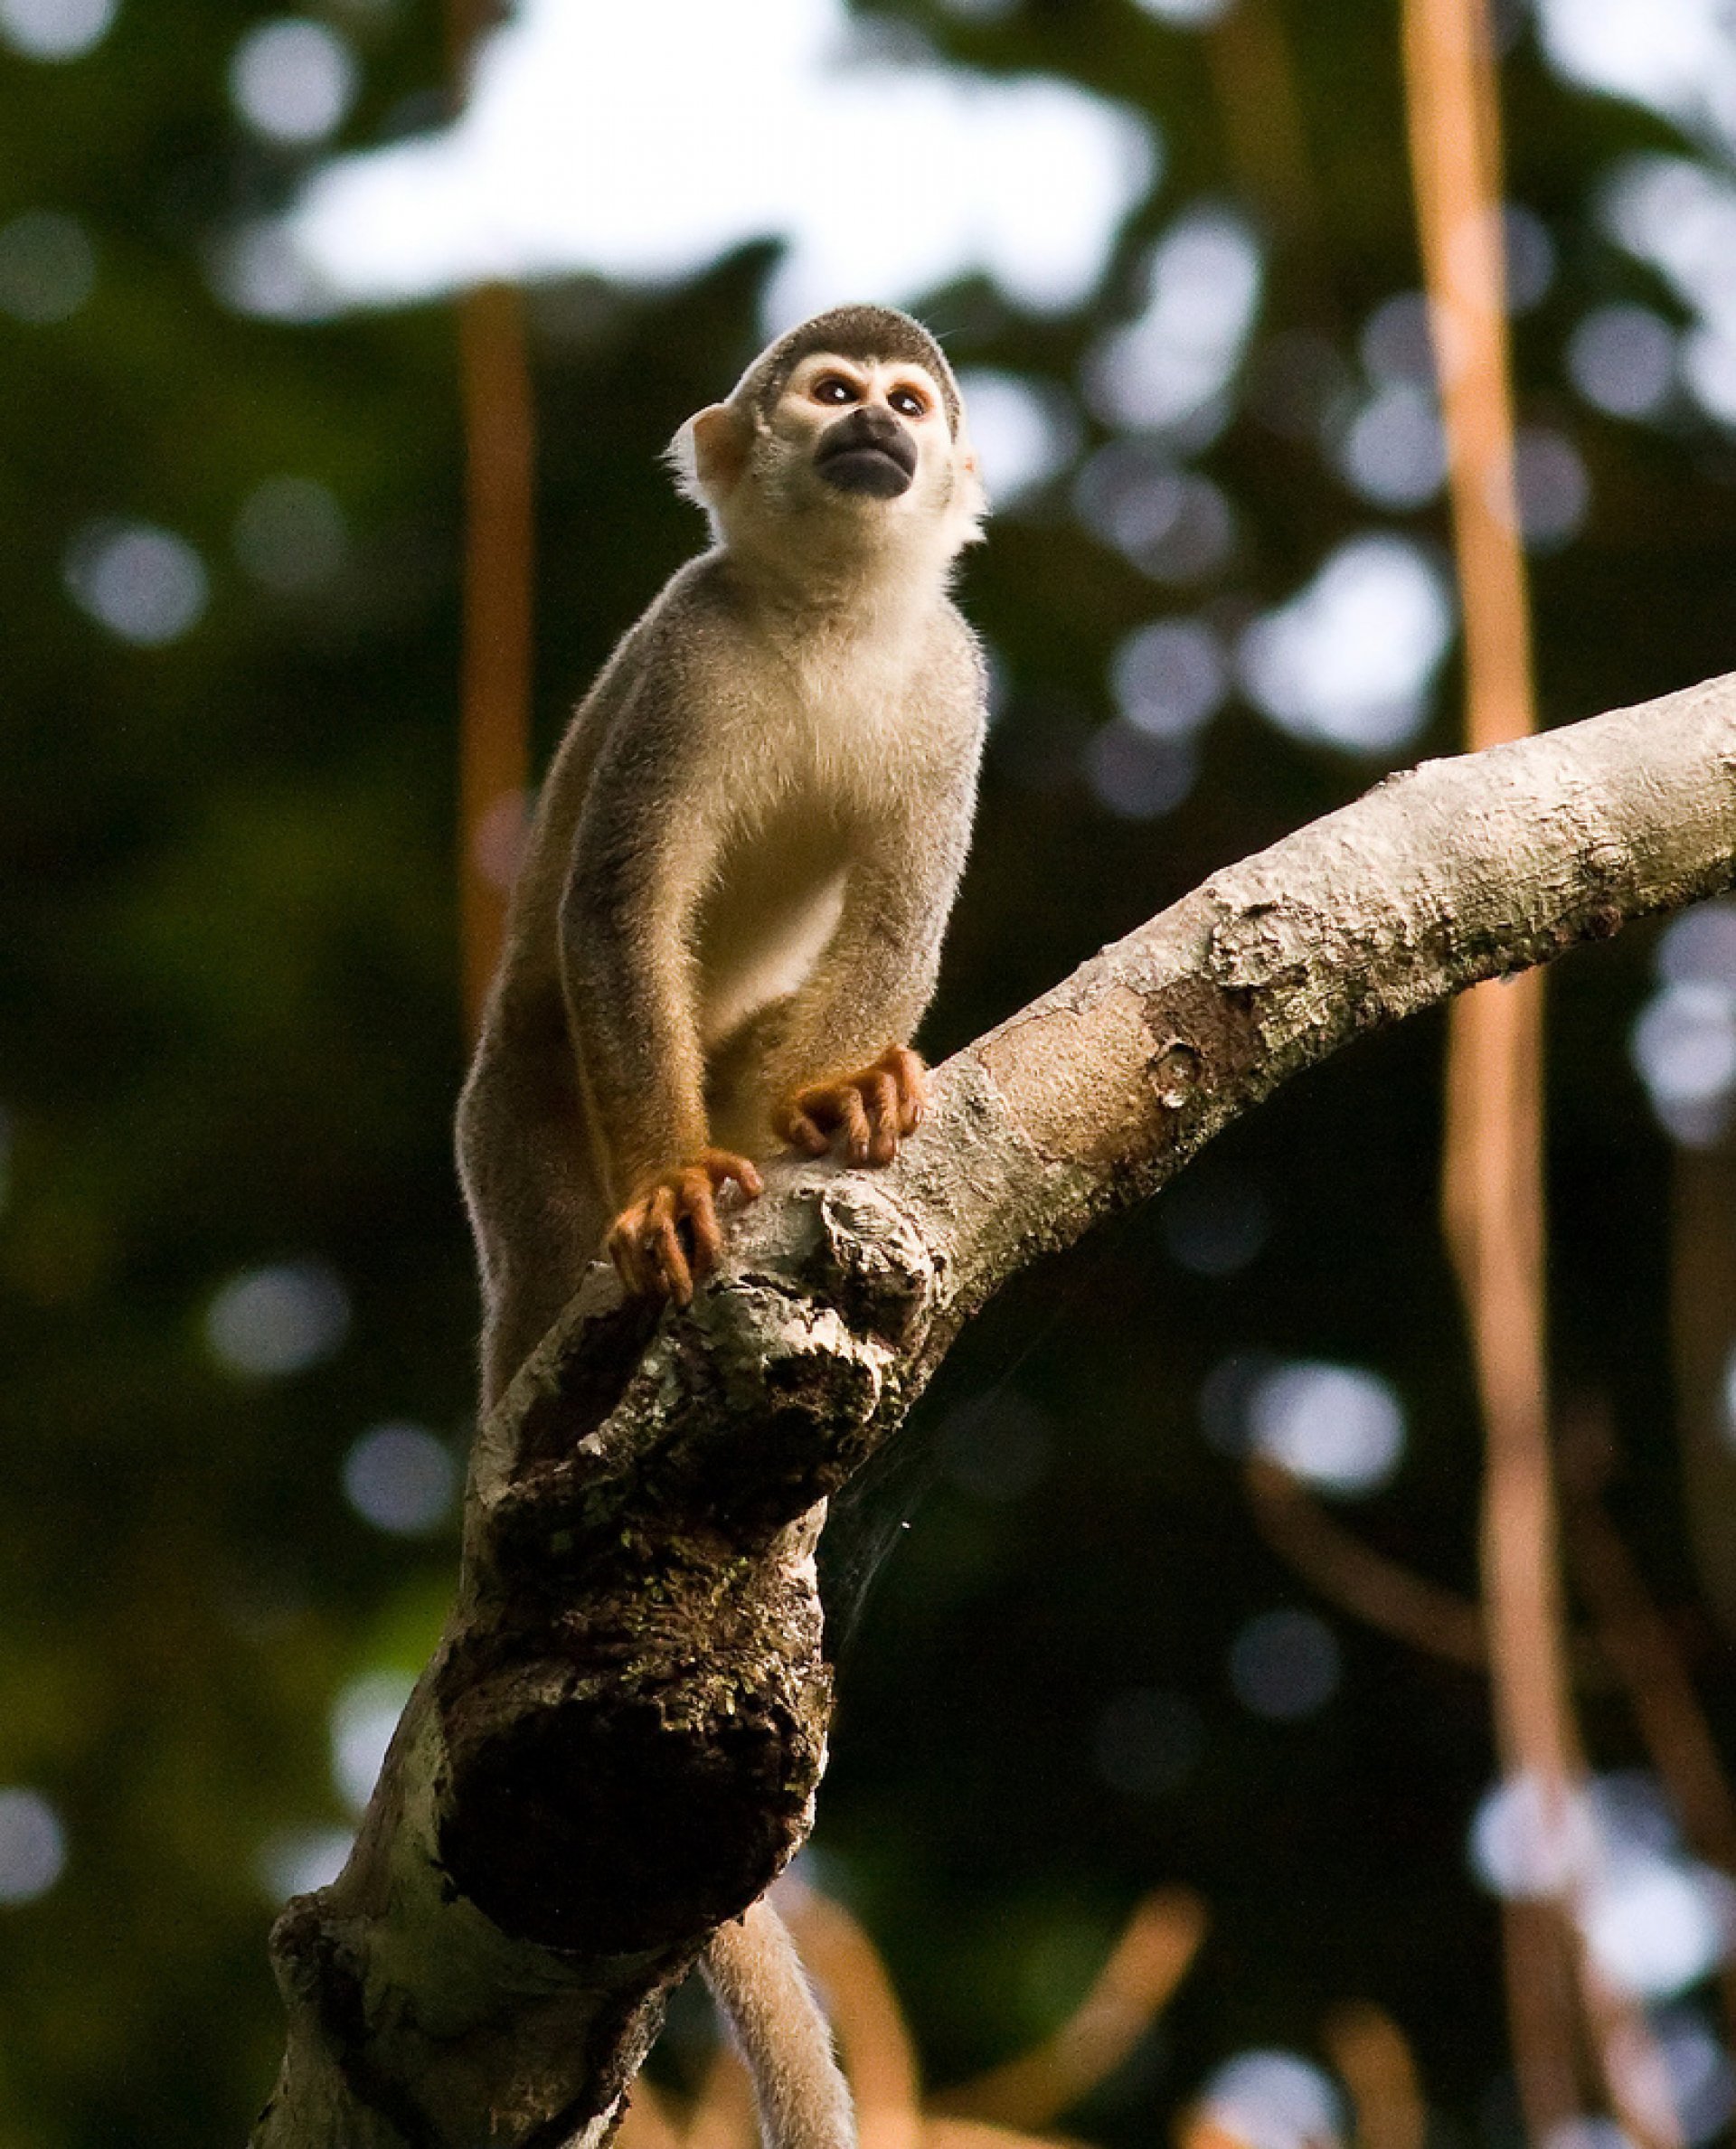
(867,452)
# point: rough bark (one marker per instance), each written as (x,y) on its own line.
(618,1744)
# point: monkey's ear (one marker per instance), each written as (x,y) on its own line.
(710,453)
(969,500)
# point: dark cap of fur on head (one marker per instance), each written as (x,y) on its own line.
(861,332)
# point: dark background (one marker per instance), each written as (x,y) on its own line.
(230,1042)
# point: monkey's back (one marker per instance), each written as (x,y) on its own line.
(527,1162)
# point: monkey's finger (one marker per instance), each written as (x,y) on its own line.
(660,1243)
(746,1177)
(701,1215)
(881,1107)
(668,1261)
(907,1070)
(673,1272)
(794,1127)
(624,1250)
(722,1165)
(853,1117)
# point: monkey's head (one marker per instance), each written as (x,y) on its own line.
(847,434)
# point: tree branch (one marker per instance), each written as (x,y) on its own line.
(618,1744)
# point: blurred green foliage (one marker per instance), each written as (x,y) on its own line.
(229,1041)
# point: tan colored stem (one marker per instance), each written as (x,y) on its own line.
(494,749)
(1149,1961)
(1406,1606)
(499,546)
(1374,2061)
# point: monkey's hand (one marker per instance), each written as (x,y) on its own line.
(871,1111)
(645,1241)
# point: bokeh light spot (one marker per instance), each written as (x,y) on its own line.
(1395,451)
(1622,360)
(1172,524)
(55,29)
(1024,433)
(1656,1926)
(1135,776)
(1684,1042)
(1192,15)
(1703,2082)
(1681,217)
(1285,1666)
(293,81)
(1271,2099)
(1203,284)
(1709,368)
(1554,490)
(1683,1045)
(1529,253)
(401,1478)
(1588,2132)
(143,584)
(1170,678)
(1397,343)
(1350,659)
(1226,1397)
(1525,1845)
(291,534)
(1654,1921)
(1699,947)
(297,1861)
(47,267)
(258,269)
(33,1845)
(1339,1426)
(364,1717)
(269,1322)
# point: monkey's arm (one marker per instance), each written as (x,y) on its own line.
(840,1062)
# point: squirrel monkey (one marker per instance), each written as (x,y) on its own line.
(728,916)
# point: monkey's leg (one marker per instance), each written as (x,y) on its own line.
(757,1979)
(541,1224)
(871,1111)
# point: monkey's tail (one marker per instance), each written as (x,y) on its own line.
(763,1994)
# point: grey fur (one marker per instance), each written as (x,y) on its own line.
(775,732)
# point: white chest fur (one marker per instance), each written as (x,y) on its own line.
(809,765)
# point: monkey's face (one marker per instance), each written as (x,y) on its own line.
(853,456)
(862,426)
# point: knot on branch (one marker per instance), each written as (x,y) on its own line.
(654,1776)
(786,1410)
(1261,941)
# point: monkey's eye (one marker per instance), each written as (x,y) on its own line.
(832,387)
(909,402)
